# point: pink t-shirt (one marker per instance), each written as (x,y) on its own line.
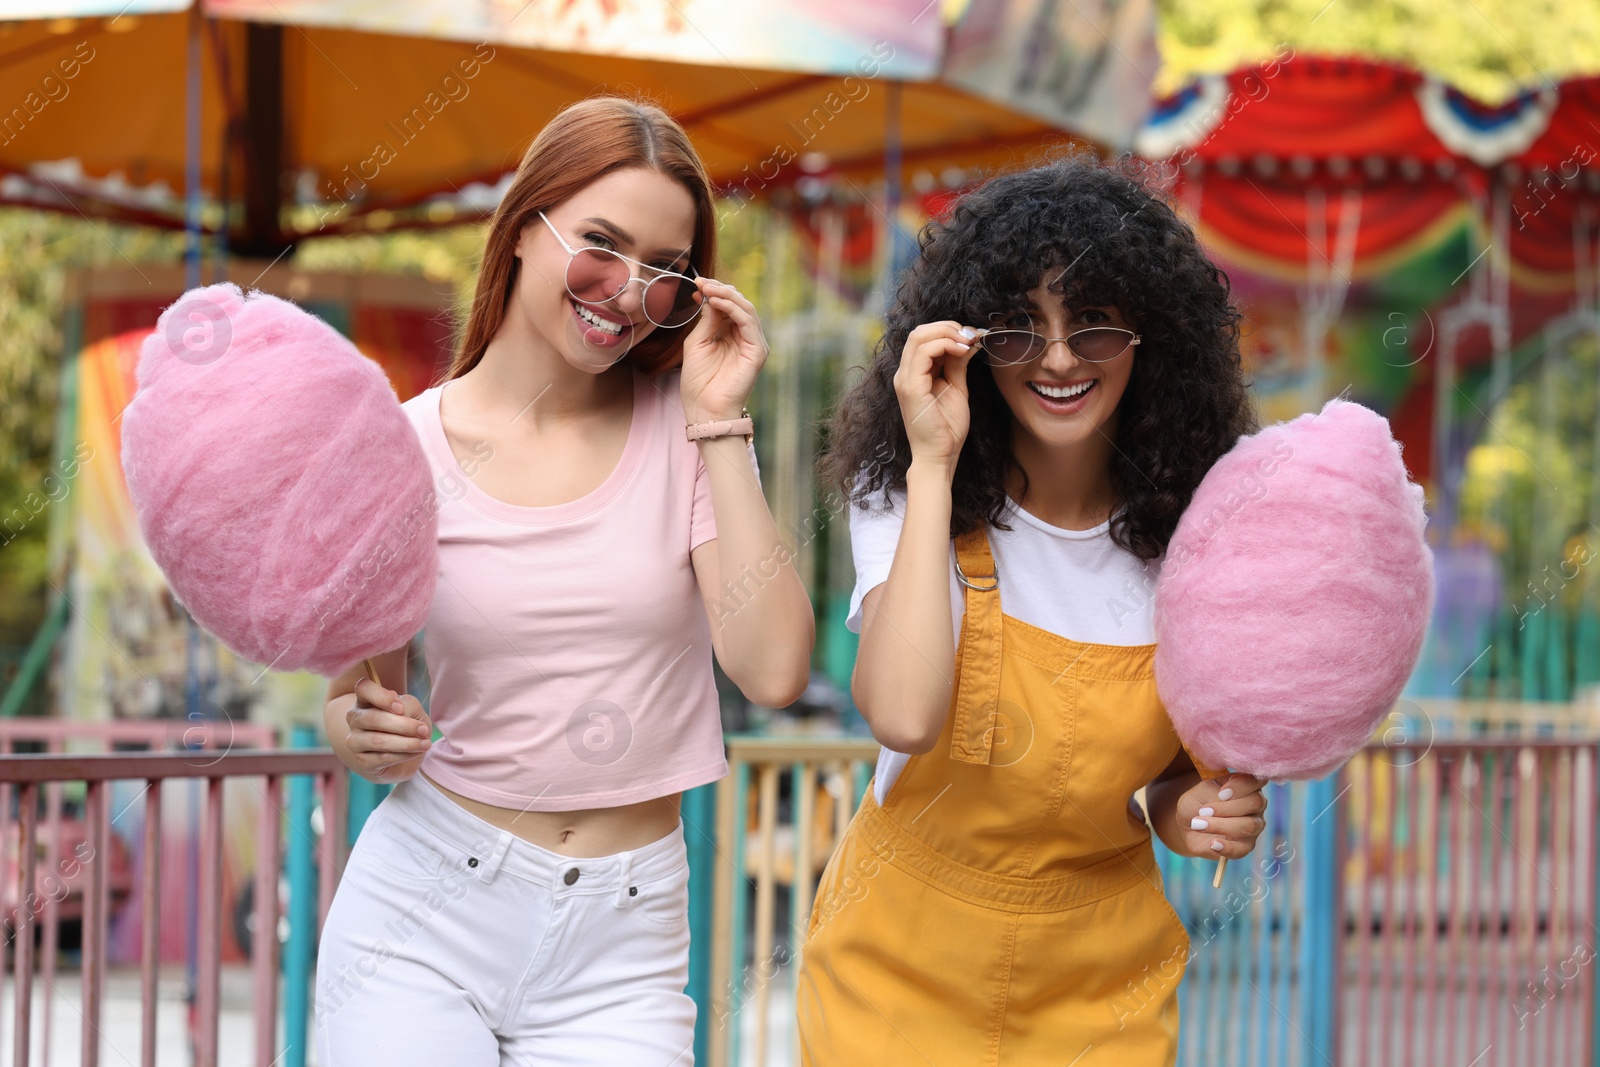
(568,646)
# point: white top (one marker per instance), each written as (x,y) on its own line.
(1078,584)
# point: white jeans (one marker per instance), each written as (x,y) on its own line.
(452,942)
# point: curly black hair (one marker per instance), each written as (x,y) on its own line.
(1115,242)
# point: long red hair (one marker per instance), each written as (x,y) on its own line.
(586,141)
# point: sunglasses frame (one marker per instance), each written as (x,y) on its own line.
(1048,341)
(572,254)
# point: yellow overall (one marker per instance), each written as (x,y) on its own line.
(1003,905)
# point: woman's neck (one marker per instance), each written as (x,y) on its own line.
(523,377)
(1068,486)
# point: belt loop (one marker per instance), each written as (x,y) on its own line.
(976,695)
(489,866)
(621,899)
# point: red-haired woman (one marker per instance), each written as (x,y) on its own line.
(521,895)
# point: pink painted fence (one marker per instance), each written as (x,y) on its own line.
(1469,874)
(45,880)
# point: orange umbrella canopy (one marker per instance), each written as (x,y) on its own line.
(362,107)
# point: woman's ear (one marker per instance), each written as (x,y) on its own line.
(522,238)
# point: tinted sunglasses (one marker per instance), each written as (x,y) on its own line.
(599,275)
(1094,344)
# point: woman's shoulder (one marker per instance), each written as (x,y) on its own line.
(883,503)
(420,401)
(421,407)
(874,517)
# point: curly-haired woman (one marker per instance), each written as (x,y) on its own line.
(1060,369)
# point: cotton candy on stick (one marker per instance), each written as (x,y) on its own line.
(278,484)
(1294,597)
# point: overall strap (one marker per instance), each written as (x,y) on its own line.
(1205,771)
(976,699)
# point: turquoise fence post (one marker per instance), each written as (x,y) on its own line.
(1311,920)
(1233,936)
(298,960)
(1587,650)
(699,811)
(1481,672)
(838,646)
(1261,920)
(1507,646)
(1324,916)
(741,890)
(1557,679)
(364,798)
(1280,902)
(1178,887)
(1533,657)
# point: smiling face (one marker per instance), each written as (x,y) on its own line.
(1057,398)
(638,212)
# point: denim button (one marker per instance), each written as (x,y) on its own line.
(473,862)
(633,890)
(571,875)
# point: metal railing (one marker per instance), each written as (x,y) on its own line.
(755,848)
(31,785)
(1435,901)
(1469,903)
(1257,988)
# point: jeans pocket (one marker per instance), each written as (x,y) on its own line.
(401,851)
(663,902)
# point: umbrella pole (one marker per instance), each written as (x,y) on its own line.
(891,179)
(191,151)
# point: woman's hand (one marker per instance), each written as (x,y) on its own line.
(722,355)
(931,383)
(1223,816)
(389,733)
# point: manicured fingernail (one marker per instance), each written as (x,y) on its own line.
(1216,846)
(422,729)
(1198,824)
(1207,811)
(968,332)
(1225,794)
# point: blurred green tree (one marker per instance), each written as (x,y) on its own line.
(36,251)
(1490,48)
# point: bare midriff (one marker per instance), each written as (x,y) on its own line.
(582,833)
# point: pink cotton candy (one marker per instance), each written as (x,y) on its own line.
(1294,597)
(278,483)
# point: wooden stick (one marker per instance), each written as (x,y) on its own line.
(1222,861)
